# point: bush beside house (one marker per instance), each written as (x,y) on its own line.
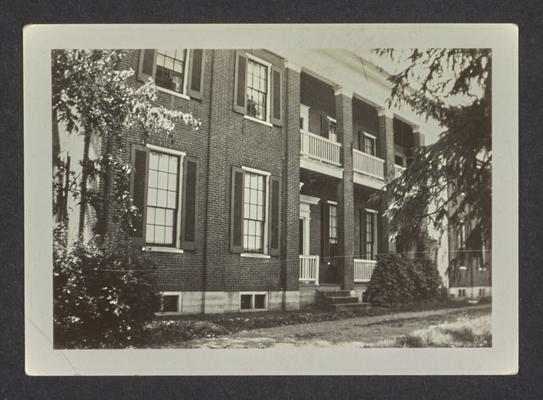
(103,296)
(398,279)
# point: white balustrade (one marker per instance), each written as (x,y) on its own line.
(398,170)
(363,269)
(320,148)
(309,269)
(369,165)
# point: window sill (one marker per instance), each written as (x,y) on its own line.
(258,120)
(176,94)
(158,249)
(255,255)
(166,313)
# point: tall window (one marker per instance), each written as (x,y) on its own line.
(332,223)
(254,212)
(332,129)
(170,69)
(257,89)
(162,199)
(369,143)
(368,234)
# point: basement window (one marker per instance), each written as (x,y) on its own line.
(170,302)
(253,301)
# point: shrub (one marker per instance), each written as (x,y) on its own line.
(103,296)
(398,279)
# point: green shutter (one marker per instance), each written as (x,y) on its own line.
(147,65)
(240,83)
(189,219)
(236,212)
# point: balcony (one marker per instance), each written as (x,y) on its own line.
(370,166)
(309,269)
(320,154)
(363,269)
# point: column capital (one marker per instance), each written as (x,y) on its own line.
(293,66)
(382,111)
(341,90)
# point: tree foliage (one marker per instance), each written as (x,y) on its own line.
(92,95)
(449,180)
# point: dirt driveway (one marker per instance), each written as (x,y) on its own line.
(358,332)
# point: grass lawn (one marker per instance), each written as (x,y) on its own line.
(167,330)
(464,332)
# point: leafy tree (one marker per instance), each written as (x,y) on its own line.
(92,96)
(450,180)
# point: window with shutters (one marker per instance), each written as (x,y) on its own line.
(162,199)
(258,90)
(171,69)
(254,212)
(179,72)
(164,187)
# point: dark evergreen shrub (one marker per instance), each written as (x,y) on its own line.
(400,280)
(103,296)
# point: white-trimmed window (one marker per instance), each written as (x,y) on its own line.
(164,188)
(332,129)
(258,88)
(163,184)
(253,301)
(171,69)
(370,234)
(369,142)
(254,212)
(304,118)
(332,222)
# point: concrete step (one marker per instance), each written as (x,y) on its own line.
(336,293)
(340,299)
(348,307)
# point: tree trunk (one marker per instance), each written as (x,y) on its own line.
(83,184)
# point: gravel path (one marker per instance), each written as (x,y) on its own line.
(359,331)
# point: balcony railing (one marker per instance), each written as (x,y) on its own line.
(320,148)
(363,269)
(369,165)
(309,269)
(398,170)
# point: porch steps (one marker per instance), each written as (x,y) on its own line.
(339,300)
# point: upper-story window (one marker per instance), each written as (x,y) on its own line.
(258,89)
(369,144)
(178,72)
(370,235)
(171,69)
(332,129)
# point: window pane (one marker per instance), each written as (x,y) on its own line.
(153,161)
(170,303)
(161,198)
(151,197)
(150,234)
(246,301)
(260,301)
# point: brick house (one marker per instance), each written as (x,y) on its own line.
(269,202)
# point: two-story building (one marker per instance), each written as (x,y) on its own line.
(271,200)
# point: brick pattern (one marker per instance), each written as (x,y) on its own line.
(345,194)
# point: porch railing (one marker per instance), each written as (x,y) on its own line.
(320,148)
(398,170)
(309,269)
(369,165)
(363,269)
